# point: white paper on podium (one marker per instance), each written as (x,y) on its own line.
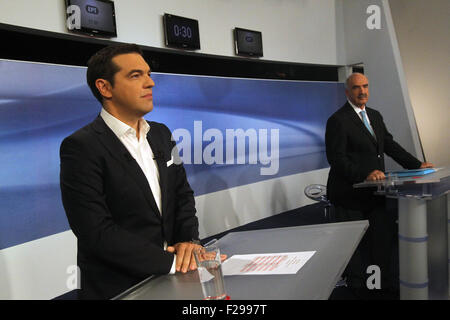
(267,263)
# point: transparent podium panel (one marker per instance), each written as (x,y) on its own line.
(424,222)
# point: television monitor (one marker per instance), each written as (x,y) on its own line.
(91,17)
(248,42)
(181,32)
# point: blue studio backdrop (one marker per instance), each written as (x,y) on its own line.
(230,132)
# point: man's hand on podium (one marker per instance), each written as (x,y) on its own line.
(184,253)
(376,175)
(426,165)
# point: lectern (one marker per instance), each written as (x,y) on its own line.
(423,224)
(334,244)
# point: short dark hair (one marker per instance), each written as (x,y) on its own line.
(101,66)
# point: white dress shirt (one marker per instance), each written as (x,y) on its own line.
(141,151)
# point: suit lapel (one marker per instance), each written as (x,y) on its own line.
(120,153)
(154,139)
(357,120)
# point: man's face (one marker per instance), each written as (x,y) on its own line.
(358,90)
(132,90)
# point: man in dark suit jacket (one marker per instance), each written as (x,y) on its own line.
(127,199)
(355,147)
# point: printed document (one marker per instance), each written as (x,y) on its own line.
(267,263)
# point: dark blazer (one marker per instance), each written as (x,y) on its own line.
(112,212)
(353,153)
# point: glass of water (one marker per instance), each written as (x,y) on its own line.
(210,271)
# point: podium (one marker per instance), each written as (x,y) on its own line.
(424,229)
(334,244)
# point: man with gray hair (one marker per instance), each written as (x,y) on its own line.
(356,140)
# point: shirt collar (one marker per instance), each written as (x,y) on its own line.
(357,110)
(120,128)
(144,126)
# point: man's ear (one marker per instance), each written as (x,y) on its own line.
(104,87)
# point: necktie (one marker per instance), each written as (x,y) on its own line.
(366,123)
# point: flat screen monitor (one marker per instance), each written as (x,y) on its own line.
(248,42)
(92,17)
(181,32)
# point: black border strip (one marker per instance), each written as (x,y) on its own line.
(28,44)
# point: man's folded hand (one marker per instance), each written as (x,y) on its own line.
(184,253)
(376,175)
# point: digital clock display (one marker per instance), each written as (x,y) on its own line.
(181,32)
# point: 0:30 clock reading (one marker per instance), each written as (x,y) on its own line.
(184,32)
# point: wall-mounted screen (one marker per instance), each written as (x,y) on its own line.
(248,42)
(92,17)
(181,32)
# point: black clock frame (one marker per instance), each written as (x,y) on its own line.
(181,32)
